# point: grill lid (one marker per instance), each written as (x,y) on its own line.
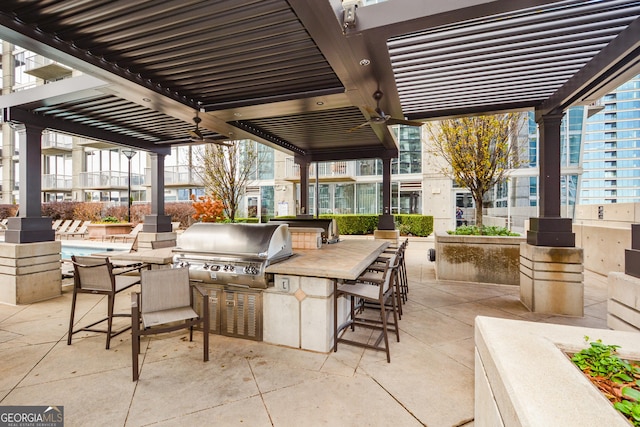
(264,241)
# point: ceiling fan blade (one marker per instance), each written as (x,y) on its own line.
(211,141)
(215,141)
(196,134)
(392,121)
(358,127)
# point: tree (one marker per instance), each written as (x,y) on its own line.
(480,151)
(225,171)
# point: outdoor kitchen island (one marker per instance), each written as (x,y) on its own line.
(298,309)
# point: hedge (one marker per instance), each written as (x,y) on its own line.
(415,225)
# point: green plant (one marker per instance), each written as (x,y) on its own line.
(109,220)
(472,230)
(631,408)
(602,361)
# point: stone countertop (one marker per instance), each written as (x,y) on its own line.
(343,260)
(150,256)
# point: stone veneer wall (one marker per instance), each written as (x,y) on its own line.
(485,259)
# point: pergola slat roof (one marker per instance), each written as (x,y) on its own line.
(284,73)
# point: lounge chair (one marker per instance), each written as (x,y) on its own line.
(74,225)
(55,224)
(132,235)
(64,226)
(81,231)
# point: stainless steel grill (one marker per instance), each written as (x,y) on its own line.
(232,254)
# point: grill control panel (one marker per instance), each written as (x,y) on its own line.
(223,271)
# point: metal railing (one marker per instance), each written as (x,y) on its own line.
(177,175)
(56,140)
(38,61)
(325,169)
(56,182)
(109,179)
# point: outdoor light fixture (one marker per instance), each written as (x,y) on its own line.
(129,155)
(349,13)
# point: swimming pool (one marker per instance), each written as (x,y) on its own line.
(88,248)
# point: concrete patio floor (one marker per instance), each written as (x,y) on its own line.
(430,380)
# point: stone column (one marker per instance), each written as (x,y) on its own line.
(551,267)
(30,255)
(8,143)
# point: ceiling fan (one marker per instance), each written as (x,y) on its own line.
(379,117)
(197,136)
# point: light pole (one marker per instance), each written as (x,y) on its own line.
(129,155)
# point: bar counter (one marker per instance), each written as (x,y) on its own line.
(343,260)
(298,309)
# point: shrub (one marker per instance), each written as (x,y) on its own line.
(87,211)
(7,211)
(472,230)
(415,225)
(138,211)
(110,220)
(117,211)
(59,210)
(355,224)
(180,212)
(207,209)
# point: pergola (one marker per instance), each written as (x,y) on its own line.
(297,75)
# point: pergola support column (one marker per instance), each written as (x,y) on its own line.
(550,229)
(386,225)
(304,188)
(29,226)
(157,221)
(551,267)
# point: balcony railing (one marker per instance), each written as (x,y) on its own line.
(109,179)
(177,175)
(56,140)
(339,169)
(56,182)
(46,69)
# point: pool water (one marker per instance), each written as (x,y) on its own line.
(88,249)
(67,251)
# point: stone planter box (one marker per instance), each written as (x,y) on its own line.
(99,231)
(623,303)
(523,376)
(484,259)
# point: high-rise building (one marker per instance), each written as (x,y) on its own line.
(611,158)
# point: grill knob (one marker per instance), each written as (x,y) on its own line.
(206,266)
(251,269)
(228,267)
(183,264)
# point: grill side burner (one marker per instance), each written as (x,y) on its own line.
(232,254)
(330,232)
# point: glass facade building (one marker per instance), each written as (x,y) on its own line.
(612,149)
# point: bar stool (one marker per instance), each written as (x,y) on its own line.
(399,282)
(372,287)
